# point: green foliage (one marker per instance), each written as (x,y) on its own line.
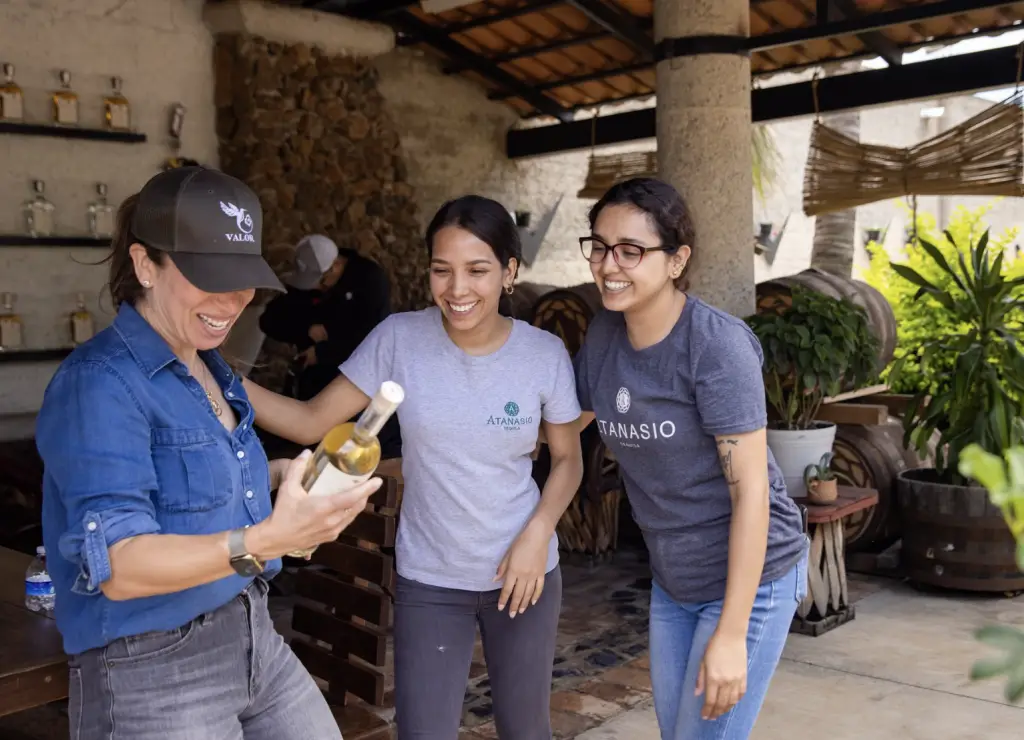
(820,470)
(918,321)
(813,349)
(765,160)
(1004,478)
(979,400)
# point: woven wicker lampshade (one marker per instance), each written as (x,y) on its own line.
(609,169)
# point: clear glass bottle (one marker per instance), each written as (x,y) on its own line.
(116,110)
(12,101)
(39,216)
(65,102)
(82,327)
(10,324)
(101,214)
(350,453)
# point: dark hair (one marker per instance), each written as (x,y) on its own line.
(123,284)
(665,209)
(487,220)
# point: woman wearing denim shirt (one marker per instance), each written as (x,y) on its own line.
(678,395)
(157,514)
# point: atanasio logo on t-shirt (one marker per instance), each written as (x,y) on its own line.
(511,420)
(629,433)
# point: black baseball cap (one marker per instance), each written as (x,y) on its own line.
(210,225)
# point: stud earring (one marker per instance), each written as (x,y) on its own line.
(145,283)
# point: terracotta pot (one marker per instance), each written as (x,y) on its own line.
(823,491)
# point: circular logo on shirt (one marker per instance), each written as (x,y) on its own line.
(622,400)
(512,408)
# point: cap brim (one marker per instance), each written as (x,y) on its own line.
(224,273)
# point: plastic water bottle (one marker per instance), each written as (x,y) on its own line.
(39,593)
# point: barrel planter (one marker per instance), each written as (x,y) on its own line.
(954,536)
(567,313)
(776,295)
(520,304)
(873,456)
(795,449)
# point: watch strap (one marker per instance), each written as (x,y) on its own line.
(236,544)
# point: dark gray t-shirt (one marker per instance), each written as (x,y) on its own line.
(658,410)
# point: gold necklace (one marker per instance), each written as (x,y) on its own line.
(217,410)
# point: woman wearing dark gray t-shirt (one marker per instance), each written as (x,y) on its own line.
(677,392)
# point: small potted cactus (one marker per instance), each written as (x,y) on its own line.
(822,487)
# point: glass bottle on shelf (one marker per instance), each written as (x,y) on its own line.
(116,110)
(65,102)
(81,321)
(10,324)
(12,106)
(101,214)
(38,212)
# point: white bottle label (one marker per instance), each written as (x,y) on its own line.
(10,333)
(331,480)
(67,110)
(10,106)
(119,117)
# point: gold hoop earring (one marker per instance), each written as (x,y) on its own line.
(510,289)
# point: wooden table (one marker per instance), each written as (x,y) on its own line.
(827,595)
(33,666)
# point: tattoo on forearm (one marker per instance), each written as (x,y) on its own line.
(725,455)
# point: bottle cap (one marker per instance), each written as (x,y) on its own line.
(40,550)
(392,392)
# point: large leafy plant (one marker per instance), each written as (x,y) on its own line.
(979,399)
(918,321)
(813,349)
(1003,476)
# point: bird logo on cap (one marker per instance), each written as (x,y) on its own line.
(242,219)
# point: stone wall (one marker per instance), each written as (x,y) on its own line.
(308,131)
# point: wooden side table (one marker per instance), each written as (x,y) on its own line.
(827,604)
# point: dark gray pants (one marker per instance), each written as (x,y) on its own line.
(435,630)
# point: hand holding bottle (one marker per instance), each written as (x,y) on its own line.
(302,522)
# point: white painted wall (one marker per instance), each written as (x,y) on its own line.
(163,52)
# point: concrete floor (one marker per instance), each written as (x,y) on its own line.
(899,670)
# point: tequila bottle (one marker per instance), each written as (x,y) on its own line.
(101,214)
(11,99)
(116,110)
(65,102)
(38,212)
(81,321)
(10,324)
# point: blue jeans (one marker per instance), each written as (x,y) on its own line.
(679,636)
(227,674)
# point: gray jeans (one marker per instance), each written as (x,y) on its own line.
(435,630)
(227,675)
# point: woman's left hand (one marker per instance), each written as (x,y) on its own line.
(523,569)
(723,674)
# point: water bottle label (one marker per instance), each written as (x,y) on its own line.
(39,587)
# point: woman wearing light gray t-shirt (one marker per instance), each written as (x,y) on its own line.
(476,539)
(679,398)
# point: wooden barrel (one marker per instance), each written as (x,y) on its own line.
(955,537)
(567,313)
(590,524)
(872,457)
(775,295)
(520,304)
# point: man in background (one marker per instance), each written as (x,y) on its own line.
(335,299)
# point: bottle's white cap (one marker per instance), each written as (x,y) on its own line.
(392,392)
(40,550)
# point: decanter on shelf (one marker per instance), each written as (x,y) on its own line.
(82,327)
(65,102)
(101,214)
(116,110)
(12,102)
(39,217)
(10,324)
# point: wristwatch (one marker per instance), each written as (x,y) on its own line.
(244,563)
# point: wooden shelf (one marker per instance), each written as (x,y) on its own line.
(70,132)
(24,240)
(53,354)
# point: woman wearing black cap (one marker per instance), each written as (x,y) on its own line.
(157,514)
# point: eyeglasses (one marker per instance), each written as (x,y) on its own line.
(625,255)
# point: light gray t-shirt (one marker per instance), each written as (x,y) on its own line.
(469,426)
(658,410)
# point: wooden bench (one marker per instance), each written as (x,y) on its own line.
(33,666)
(827,604)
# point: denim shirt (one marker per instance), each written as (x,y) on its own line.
(131,447)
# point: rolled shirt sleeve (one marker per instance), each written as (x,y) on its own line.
(95,443)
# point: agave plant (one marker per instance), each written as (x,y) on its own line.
(980,401)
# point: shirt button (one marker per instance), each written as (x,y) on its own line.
(91,526)
(240,454)
(248,494)
(230,394)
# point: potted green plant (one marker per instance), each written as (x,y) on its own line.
(952,532)
(813,349)
(820,480)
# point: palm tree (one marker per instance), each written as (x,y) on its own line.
(765,158)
